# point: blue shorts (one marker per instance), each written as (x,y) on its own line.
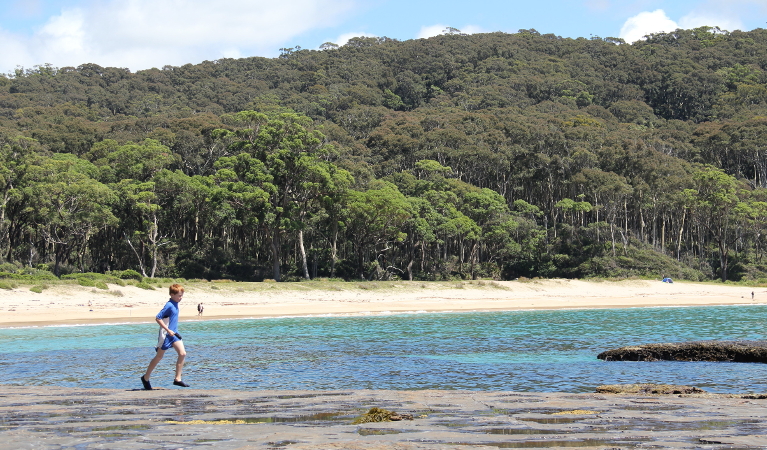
(168,343)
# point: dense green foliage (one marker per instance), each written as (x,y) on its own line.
(491,155)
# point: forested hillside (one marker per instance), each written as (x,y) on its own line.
(490,155)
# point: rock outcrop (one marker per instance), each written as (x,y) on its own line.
(729,351)
(656,389)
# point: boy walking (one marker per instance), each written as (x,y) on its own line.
(167,318)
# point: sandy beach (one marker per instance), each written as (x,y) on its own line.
(74,304)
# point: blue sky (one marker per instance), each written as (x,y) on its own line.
(140,34)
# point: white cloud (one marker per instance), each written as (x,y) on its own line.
(13,50)
(710,19)
(64,34)
(431,31)
(710,13)
(730,14)
(140,34)
(645,23)
(233,53)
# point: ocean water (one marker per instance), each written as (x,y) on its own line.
(524,351)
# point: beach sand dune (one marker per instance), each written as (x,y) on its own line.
(74,304)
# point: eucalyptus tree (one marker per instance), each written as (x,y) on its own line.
(195,220)
(69,206)
(187,199)
(421,232)
(147,236)
(610,192)
(323,201)
(531,237)
(16,155)
(754,212)
(574,212)
(715,204)
(491,214)
(374,221)
(421,227)
(135,161)
(283,160)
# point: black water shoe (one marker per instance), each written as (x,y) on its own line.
(147,386)
(180,383)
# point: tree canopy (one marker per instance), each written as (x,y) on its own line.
(491,155)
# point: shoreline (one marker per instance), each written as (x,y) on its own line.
(135,320)
(68,305)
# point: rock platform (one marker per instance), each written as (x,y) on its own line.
(46,417)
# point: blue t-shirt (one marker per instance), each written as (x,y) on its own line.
(170,310)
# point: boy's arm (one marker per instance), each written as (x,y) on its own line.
(164,327)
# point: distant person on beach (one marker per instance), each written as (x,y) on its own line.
(200,309)
(167,318)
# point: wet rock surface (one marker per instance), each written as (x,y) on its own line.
(729,351)
(656,389)
(54,418)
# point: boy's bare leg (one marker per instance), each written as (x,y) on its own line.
(179,347)
(153,363)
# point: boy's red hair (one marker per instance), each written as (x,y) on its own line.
(175,289)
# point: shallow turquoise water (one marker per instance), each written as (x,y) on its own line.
(541,351)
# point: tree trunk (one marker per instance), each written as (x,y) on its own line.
(5,238)
(196,224)
(154,237)
(679,239)
(361,262)
(334,250)
(276,255)
(32,251)
(303,254)
(723,253)
(140,260)
(56,268)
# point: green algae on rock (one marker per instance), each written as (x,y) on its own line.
(381,415)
